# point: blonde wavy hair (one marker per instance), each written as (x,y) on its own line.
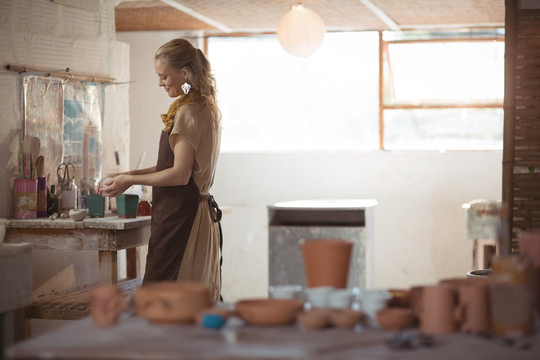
(181,54)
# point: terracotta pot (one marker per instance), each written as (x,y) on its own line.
(269,311)
(106,304)
(395,318)
(437,310)
(314,319)
(326,261)
(172,302)
(512,310)
(529,245)
(346,318)
(473,310)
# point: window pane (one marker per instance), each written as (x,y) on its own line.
(446,72)
(443,129)
(272,101)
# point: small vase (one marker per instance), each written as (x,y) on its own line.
(326,261)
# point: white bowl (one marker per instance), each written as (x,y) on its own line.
(285,291)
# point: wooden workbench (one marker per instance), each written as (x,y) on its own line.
(105,235)
(135,338)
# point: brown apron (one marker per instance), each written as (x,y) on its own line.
(173,213)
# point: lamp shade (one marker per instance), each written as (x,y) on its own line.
(301,31)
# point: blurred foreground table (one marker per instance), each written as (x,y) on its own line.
(135,338)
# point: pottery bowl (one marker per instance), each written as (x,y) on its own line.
(315,319)
(269,311)
(345,318)
(77,214)
(172,302)
(395,318)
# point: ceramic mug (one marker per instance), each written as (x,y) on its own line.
(437,314)
(106,304)
(512,309)
(473,311)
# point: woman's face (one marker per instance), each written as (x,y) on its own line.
(169,78)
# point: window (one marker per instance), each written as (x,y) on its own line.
(272,101)
(443,94)
(437,94)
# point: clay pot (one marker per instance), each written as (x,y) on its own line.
(473,310)
(315,319)
(326,261)
(512,309)
(172,302)
(269,311)
(437,314)
(346,318)
(395,318)
(106,304)
(529,245)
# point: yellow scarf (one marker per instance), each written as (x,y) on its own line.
(168,118)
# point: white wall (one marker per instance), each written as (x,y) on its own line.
(420,227)
(44,35)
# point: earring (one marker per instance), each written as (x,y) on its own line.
(186,87)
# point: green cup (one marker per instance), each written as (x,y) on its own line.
(126,205)
(96,205)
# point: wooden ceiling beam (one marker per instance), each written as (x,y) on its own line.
(178,6)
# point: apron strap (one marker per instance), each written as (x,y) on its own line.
(214,207)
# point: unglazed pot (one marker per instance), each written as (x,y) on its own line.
(269,311)
(512,309)
(172,302)
(326,261)
(437,310)
(473,311)
(106,304)
(395,318)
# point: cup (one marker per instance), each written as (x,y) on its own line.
(106,304)
(127,205)
(326,261)
(512,309)
(473,310)
(372,302)
(285,291)
(96,205)
(437,310)
(319,297)
(26,198)
(340,299)
(529,245)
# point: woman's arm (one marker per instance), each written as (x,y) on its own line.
(178,174)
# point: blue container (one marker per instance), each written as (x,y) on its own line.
(213,321)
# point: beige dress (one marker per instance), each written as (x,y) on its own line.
(201,260)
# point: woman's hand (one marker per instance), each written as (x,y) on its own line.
(115,186)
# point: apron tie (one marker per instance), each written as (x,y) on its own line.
(215,211)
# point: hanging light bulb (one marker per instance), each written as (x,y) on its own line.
(301,31)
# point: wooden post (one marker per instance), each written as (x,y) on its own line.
(509,120)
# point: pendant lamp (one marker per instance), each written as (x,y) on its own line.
(301,31)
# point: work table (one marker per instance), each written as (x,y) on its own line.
(135,338)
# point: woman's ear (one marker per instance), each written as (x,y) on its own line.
(186,73)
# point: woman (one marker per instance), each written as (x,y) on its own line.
(185,242)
